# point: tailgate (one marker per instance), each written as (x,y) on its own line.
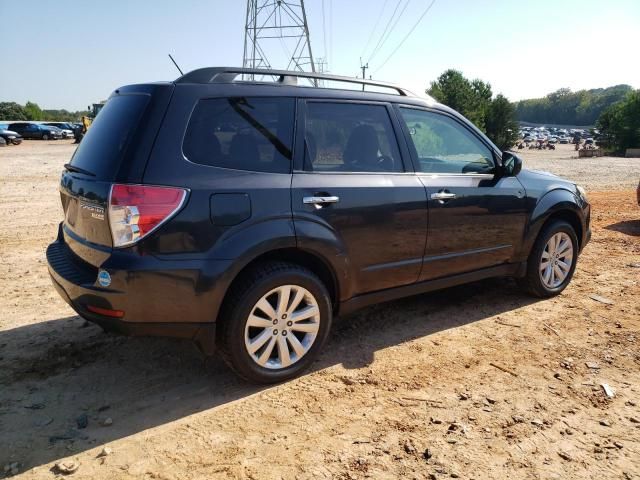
(104,153)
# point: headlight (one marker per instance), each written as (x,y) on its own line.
(582,192)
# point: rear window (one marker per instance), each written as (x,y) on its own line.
(242,133)
(102,148)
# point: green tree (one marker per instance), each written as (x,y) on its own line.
(12,111)
(33,111)
(470,98)
(501,126)
(620,123)
(474,100)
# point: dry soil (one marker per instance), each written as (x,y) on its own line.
(478,381)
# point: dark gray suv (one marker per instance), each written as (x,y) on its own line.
(246,214)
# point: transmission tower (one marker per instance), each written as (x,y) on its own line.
(277,25)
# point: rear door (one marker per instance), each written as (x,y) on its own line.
(476,217)
(352,187)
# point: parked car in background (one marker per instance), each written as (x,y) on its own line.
(10,137)
(67,128)
(552,139)
(564,139)
(62,133)
(36,131)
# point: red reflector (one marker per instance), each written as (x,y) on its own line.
(107,312)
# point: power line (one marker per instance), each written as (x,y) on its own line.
(375,27)
(331,29)
(385,30)
(324,32)
(406,36)
(390,30)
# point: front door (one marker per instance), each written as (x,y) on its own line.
(353,191)
(476,218)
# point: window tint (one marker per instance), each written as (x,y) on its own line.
(102,149)
(347,137)
(242,133)
(444,146)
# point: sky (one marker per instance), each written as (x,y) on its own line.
(71,53)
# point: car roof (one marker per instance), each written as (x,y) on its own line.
(221,81)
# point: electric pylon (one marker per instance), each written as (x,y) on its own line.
(273,22)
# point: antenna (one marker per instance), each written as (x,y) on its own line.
(174,62)
(269,22)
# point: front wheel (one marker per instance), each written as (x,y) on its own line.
(274,323)
(552,260)
(45,137)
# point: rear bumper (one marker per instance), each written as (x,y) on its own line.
(203,334)
(157,297)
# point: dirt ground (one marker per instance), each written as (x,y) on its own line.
(478,381)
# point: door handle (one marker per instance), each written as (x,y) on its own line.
(443,196)
(320,202)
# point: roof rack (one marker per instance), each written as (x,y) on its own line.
(285,77)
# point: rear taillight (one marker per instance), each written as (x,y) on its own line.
(137,210)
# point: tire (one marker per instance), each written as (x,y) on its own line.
(45,137)
(545,282)
(269,282)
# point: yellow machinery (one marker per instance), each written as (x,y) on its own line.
(87,120)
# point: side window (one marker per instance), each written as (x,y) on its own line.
(349,137)
(242,133)
(444,146)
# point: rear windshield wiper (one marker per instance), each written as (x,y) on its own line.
(72,168)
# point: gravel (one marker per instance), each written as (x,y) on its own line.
(599,173)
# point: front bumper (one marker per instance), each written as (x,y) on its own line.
(157,298)
(587,226)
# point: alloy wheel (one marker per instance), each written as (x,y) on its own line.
(556,260)
(282,327)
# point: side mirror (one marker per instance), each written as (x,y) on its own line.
(511,164)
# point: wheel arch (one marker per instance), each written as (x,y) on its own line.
(305,258)
(569,216)
(559,204)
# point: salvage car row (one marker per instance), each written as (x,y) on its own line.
(14,133)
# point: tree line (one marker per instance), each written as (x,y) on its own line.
(32,111)
(564,107)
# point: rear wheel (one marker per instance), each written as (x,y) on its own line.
(552,260)
(274,323)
